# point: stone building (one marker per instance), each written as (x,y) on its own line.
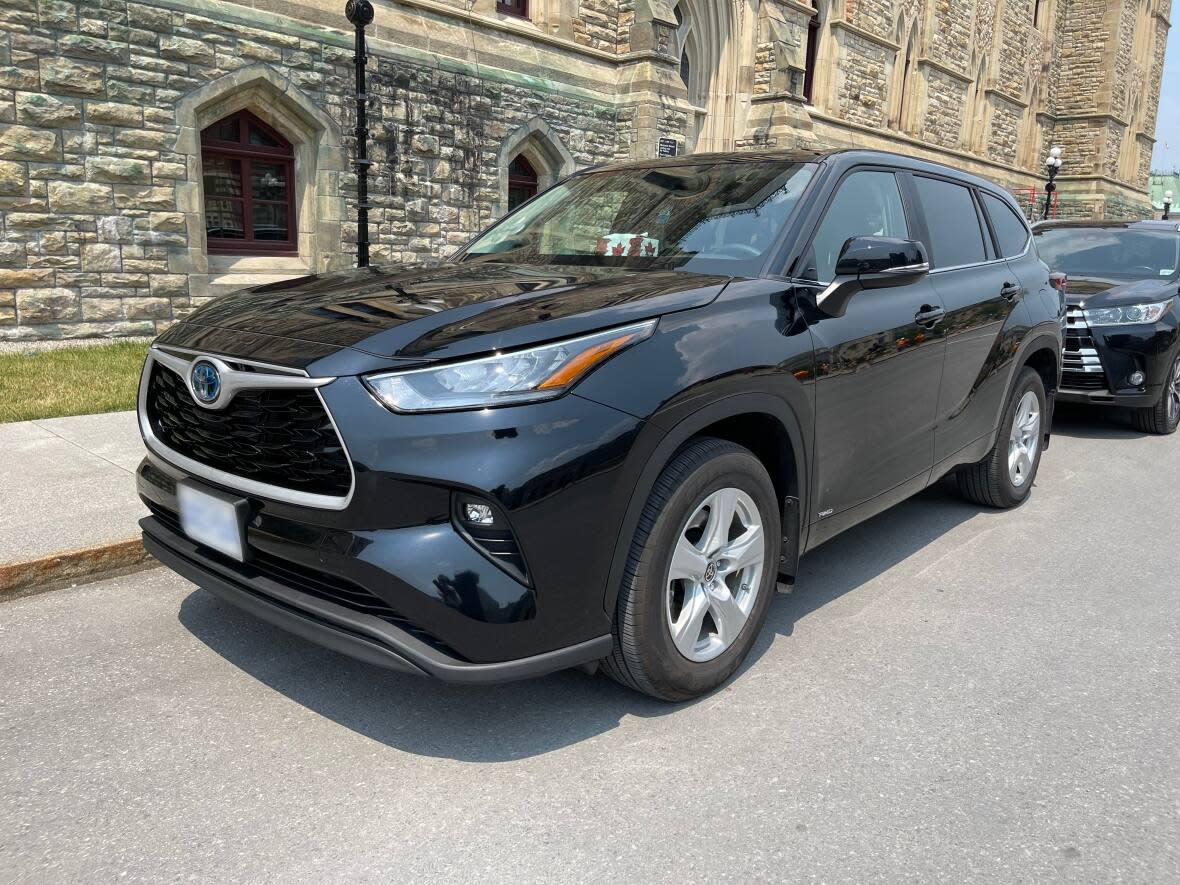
(154,153)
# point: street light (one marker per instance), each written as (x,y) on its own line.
(1052,166)
(1167,204)
(360,13)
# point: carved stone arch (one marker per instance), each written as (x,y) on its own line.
(722,34)
(537,141)
(906,75)
(319,160)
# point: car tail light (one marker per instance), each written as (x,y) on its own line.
(1058,281)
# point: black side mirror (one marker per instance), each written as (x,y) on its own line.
(872,263)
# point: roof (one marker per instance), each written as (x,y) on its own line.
(849,155)
(1126,224)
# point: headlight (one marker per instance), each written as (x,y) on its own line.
(505,378)
(1126,316)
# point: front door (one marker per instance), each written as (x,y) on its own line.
(878,367)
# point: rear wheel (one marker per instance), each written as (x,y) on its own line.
(1005,477)
(700,574)
(1164,416)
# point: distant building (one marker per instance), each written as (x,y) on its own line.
(154,153)
(1161,182)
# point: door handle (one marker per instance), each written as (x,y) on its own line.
(929,316)
(1011,291)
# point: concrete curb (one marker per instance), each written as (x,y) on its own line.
(72,567)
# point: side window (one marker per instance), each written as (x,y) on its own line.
(955,235)
(867,204)
(1009,227)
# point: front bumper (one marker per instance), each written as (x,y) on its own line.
(393,559)
(358,635)
(1098,361)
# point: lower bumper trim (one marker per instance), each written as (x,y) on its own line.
(354,634)
(1106,398)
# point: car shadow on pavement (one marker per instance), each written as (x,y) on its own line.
(518,720)
(1086,422)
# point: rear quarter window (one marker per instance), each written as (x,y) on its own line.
(1011,231)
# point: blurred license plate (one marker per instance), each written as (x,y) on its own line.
(211,519)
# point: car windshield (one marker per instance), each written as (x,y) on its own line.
(720,218)
(1123,253)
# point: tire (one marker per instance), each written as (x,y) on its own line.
(991,482)
(703,479)
(1164,417)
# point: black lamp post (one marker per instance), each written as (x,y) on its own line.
(1167,204)
(1052,166)
(360,13)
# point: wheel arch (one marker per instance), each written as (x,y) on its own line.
(765,424)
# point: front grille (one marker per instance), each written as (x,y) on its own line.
(313,582)
(280,437)
(1081,365)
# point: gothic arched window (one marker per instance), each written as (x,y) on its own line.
(248,173)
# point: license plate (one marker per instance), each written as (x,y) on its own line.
(212,519)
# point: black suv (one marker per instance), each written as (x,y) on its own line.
(601,432)
(1122,339)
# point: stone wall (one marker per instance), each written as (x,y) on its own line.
(102,103)
(95,236)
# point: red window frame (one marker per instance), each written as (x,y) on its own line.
(519,8)
(522,177)
(245,153)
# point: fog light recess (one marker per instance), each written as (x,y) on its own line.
(1137,378)
(485,527)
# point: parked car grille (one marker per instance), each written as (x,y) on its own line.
(313,582)
(1081,366)
(279,437)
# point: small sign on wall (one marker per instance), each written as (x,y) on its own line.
(668,147)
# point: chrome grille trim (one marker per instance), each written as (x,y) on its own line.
(229,480)
(1079,354)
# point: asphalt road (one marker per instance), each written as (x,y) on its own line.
(950,694)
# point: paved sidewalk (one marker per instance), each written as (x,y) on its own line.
(68,484)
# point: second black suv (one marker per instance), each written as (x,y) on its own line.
(601,432)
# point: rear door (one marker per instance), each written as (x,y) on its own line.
(878,366)
(980,292)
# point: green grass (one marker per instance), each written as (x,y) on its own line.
(70,381)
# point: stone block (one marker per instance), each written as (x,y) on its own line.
(169,285)
(12,253)
(24,143)
(84,46)
(101,257)
(183,49)
(118,170)
(148,308)
(169,222)
(113,228)
(70,77)
(102,309)
(45,110)
(169,170)
(127,197)
(68,197)
(34,221)
(48,305)
(58,14)
(12,77)
(23,278)
(113,113)
(148,139)
(13,178)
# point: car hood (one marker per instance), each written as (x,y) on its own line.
(444,309)
(1093,292)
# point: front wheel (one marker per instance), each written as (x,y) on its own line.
(1005,477)
(1164,416)
(700,574)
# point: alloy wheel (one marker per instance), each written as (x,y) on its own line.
(1024,439)
(714,574)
